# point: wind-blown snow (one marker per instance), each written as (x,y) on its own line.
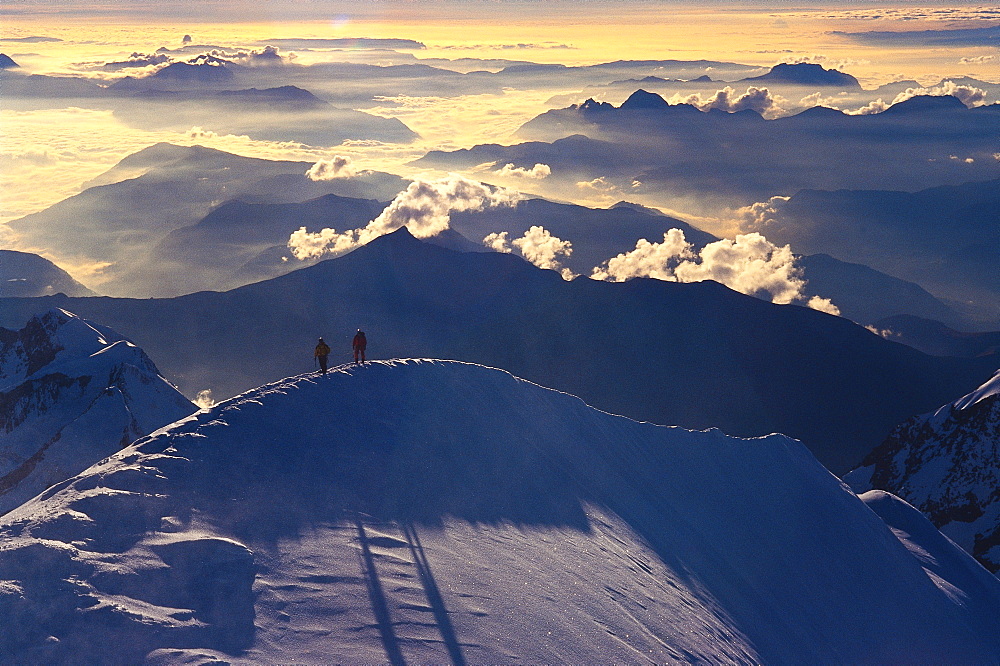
(427,511)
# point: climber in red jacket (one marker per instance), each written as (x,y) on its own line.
(359,345)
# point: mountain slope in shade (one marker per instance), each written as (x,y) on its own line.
(72,393)
(935,338)
(166,187)
(693,354)
(947,464)
(26,274)
(427,512)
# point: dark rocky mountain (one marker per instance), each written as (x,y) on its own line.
(697,355)
(6,62)
(947,464)
(26,274)
(807,74)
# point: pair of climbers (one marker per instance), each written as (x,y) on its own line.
(359,344)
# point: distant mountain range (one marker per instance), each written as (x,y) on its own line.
(72,393)
(933,337)
(441,512)
(947,464)
(697,355)
(675,150)
(163,188)
(26,274)
(946,238)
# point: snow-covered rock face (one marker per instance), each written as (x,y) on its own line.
(72,393)
(427,512)
(947,464)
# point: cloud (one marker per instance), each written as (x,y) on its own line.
(498,242)
(656,260)
(338,166)
(599,185)
(757,99)
(538,246)
(969,95)
(750,264)
(198,132)
(138,60)
(830,63)
(760,215)
(424,207)
(204,399)
(823,305)
(977,60)
(536,172)
(869,109)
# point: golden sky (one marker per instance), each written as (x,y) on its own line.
(65,147)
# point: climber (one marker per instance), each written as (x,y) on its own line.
(359,345)
(322,353)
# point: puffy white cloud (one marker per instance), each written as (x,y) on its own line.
(541,248)
(536,172)
(871,108)
(969,95)
(758,99)
(977,60)
(750,264)
(761,214)
(337,166)
(538,246)
(823,305)
(656,260)
(424,207)
(498,242)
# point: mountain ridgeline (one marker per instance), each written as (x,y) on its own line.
(697,354)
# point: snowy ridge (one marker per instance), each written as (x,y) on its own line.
(989,389)
(947,464)
(71,393)
(431,511)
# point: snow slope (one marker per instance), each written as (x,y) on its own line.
(947,464)
(431,511)
(72,393)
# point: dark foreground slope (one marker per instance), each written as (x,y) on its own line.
(435,512)
(697,355)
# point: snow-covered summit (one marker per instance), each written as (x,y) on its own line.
(947,464)
(72,392)
(429,511)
